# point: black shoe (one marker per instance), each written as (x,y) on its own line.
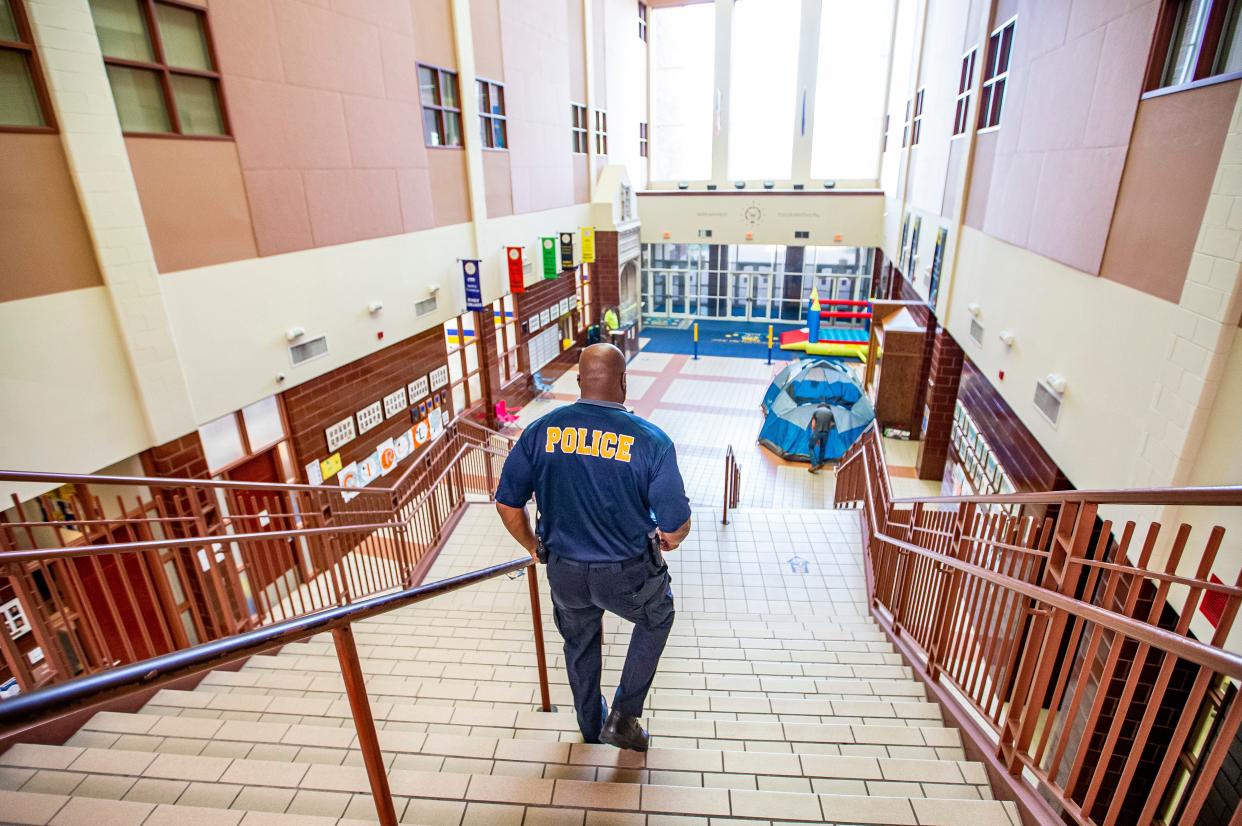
(624,733)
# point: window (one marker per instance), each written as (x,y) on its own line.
(905,129)
(1196,40)
(996,73)
(763,89)
(441,106)
(492,121)
(916,126)
(682,59)
(642,141)
(503,316)
(963,93)
(463,360)
(642,21)
(235,438)
(578,121)
(23,97)
(161,66)
(582,278)
(601,132)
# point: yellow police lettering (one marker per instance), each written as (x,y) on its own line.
(624,443)
(554,436)
(569,440)
(584,445)
(607,445)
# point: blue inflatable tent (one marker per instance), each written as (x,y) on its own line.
(792,398)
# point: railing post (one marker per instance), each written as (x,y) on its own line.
(536,618)
(364,724)
(947,598)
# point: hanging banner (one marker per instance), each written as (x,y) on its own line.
(567,250)
(548,245)
(474,287)
(517,274)
(588,244)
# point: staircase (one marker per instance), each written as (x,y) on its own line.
(778,701)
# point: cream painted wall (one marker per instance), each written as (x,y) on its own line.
(1105,339)
(857,218)
(69,400)
(941,66)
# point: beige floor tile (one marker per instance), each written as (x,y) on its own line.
(104,786)
(596,818)
(434,812)
(148,790)
(596,795)
(82,811)
(190,768)
(669,778)
(99,761)
(30,808)
(748,762)
(49,781)
(500,789)
(677,820)
(684,760)
(685,800)
(427,784)
(264,773)
(492,814)
(886,810)
(273,819)
(926,771)
(776,805)
(34,756)
(321,804)
(545,752)
(166,815)
(263,799)
(951,812)
(825,765)
(210,795)
(275,752)
(801,785)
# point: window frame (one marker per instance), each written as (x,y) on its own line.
(965,87)
(489,120)
(461,350)
(1211,33)
(165,72)
(905,129)
(439,108)
(601,132)
(29,48)
(642,21)
(580,134)
(989,116)
(916,123)
(644,141)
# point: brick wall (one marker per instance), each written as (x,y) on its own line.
(179,459)
(312,407)
(944,376)
(605,274)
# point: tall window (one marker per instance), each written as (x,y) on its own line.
(441,106)
(578,123)
(884,139)
(1196,40)
(905,129)
(162,67)
(462,342)
(582,279)
(850,78)
(23,97)
(996,73)
(916,126)
(642,21)
(601,132)
(642,140)
(683,59)
(963,92)
(492,121)
(762,88)
(506,338)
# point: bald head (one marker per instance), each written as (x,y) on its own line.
(601,373)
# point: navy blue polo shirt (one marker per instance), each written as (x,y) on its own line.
(603,479)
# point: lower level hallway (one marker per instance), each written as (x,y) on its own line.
(778,701)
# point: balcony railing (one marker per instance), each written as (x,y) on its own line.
(1060,638)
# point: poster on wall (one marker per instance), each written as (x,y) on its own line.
(387,452)
(369,469)
(341,433)
(437,421)
(395,402)
(331,466)
(567,250)
(314,475)
(517,272)
(422,433)
(370,416)
(587,234)
(418,389)
(439,378)
(404,444)
(348,478)
(474,287)
(532,324)
(545,316)
(548,245)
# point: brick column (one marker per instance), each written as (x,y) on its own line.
(943,379)
(605,275)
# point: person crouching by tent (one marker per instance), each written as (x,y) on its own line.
(821,426)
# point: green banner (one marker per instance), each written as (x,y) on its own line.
(548,245)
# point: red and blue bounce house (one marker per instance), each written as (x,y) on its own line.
(820,338)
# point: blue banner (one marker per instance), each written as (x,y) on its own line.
(474,287)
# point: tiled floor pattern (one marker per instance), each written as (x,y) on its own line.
(778,702)
(706,406)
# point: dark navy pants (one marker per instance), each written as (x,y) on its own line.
(635,590)
(819,443)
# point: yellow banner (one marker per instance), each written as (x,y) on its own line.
(330,466)
(588,244)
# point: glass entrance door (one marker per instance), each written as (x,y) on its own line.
(678,294)
(761,296)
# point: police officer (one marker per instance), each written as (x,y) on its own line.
(611,500)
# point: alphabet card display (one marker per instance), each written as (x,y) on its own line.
(341,433)
(387,453)
(418,389)
(439,377)
(370,416)
(395,402)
